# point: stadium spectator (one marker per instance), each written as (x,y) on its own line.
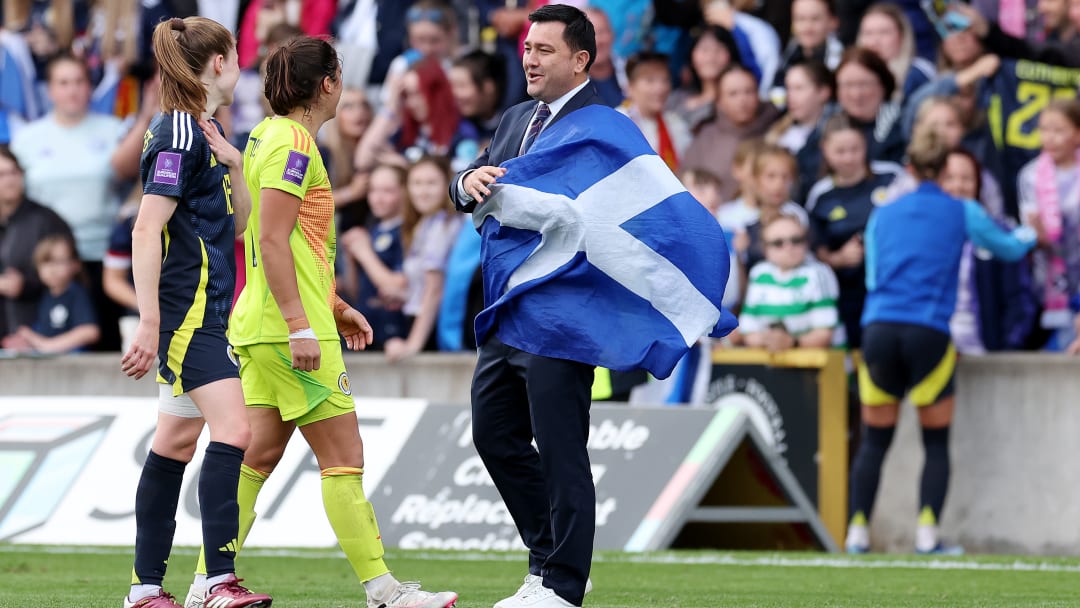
(864,90)
(339,141)
(840,205)
(431,29)
(72,158)
(740,115)
(423,121)
(996,308)
(23,224)
(249,106)
(428,233)
(705,187)
(378,250)
(1064,51)
(290,298)
(946,116)
(735,214)
(65,320)
(1049,188)
(914,247)
(772,178)
(313,17)
(885,29)
(116,276)
(711,52)
(479,90)
(648,91)
(971,66)
(813,39)
(809,88)
(790,296)
(607,72)
(760,45)
(502,23)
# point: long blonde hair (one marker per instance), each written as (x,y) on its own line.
(901,64)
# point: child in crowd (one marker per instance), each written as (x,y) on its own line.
(647,94)
(735,214)
(810,86)
(705,187)
(790,297)
(995,306)
(1049,189)
(378,250)
(429,230)
(772,177)
(839,206)
(66,321)
(813,38)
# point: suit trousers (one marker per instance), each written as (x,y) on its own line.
(548,490)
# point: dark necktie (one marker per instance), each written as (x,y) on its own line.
(543,112)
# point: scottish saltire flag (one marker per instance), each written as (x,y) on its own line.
(594,252)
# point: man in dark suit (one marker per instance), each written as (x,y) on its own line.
(518,396)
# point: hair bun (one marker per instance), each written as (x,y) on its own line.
(177,24)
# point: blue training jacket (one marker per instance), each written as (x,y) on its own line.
(913,249)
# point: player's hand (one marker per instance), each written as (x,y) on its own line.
(140,356)
(354,327)
(226,153)
(306,354)
(476,182)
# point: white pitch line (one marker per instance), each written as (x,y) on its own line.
(779,561)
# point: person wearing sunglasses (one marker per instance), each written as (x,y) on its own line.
(790,296)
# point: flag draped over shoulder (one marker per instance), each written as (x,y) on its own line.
(594,252)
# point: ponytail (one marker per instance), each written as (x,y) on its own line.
(183,47)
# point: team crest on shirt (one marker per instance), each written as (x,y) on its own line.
(838,213)
(296,167)
(880,195)
(383,242)
(343,383)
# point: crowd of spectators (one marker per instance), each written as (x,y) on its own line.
(789,120)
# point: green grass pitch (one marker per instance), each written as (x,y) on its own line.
(88,577)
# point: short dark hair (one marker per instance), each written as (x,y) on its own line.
(579,34)
(646,58)
(295,71)
(483,66)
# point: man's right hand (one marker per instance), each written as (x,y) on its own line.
(477,181)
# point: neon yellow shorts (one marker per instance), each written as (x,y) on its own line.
(269,380)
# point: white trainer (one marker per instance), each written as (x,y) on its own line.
(196,596)
(409,595)
(543,597)
(531,580)
(530,583)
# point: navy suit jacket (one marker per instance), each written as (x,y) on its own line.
(508,135)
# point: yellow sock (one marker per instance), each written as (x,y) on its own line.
(251,482)
(353,519)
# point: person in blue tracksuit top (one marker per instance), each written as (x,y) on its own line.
(913,251)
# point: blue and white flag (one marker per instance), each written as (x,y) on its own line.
(594,252)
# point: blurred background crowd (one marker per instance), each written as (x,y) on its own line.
(799,110)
